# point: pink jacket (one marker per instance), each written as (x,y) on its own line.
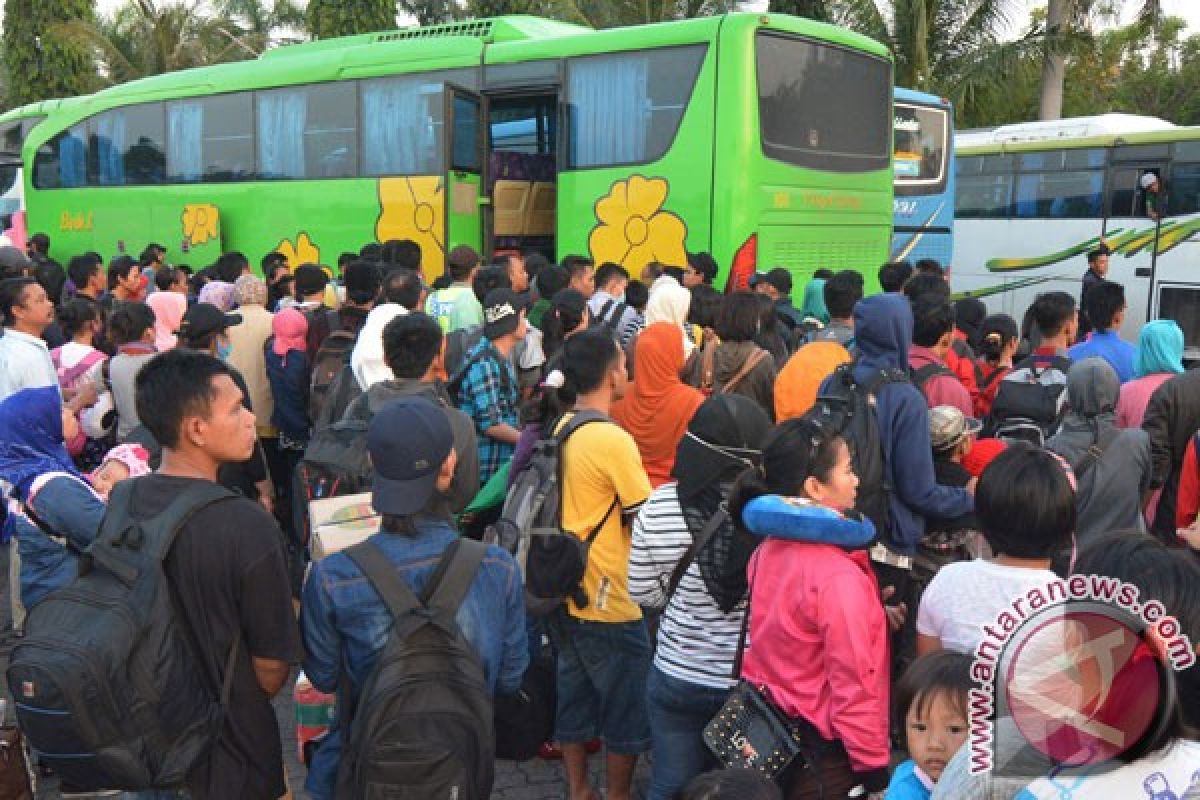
(1135,396)
(819,643)
(940,390)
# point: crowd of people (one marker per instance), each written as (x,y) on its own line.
(821,507)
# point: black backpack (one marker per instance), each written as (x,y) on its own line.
(335,463)
(107,682)
(422,725)
(848,407)
(530,524)
(459,344)
(922,375)
(329,364)
(1026,408)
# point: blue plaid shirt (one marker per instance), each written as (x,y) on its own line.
(489,397)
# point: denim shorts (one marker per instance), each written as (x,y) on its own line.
(602,670)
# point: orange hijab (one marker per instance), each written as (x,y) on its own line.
(658,406)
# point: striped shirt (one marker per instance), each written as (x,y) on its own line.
(697,641)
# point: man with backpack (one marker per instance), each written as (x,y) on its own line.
(413,346)
(933,331)
(416,628)
(1032,398)
(607,305)
(885,420)
(603,649)
(485,385)
(185,621)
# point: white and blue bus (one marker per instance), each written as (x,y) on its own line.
(924,177)
(1034,198)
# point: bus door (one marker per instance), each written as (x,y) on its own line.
(1130,229)
(466,129)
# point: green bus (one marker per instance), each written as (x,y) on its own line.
(761,138)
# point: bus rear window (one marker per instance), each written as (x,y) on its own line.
(821,106)
(920,145)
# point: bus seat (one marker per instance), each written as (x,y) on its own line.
(510,207)
(541,214)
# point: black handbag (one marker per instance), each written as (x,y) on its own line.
(749,732)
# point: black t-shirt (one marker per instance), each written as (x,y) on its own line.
(229,575)
(951,473)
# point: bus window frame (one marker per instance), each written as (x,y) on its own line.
(565,138)
(908,186)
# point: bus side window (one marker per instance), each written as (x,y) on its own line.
(1184,196)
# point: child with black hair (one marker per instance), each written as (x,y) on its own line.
(1025,504)
(931,705)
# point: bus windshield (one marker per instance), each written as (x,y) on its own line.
(921,133)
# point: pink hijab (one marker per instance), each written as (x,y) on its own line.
(291,329)
(168,308)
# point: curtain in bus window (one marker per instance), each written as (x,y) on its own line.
(282,117)
(110,148)
(610,109)
(399,135)
(72,159)
(185,154)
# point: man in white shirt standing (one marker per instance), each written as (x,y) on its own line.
(24,358)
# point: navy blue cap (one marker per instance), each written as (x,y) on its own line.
(409,440)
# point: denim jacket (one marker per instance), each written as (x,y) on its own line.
(69,508)
(345,624)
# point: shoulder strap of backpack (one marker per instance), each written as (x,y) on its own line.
(602,314)
(710,528)
(985,380)
(922,375)
(752,361)
(448,586)
(333,319)
(1095,452)
(382,575)
(118,531)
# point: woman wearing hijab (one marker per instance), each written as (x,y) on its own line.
(702,620)
(669,302)
(1111,465)
(813,306)
(658,405)
(169,308)
(35,463)
(220,294)
(287,369)
(1159,358)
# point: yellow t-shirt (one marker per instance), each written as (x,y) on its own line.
(600,462)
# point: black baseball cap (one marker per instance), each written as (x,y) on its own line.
(205,318)
(502,312)
(779,277)
(408,440)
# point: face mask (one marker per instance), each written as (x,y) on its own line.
(224,350)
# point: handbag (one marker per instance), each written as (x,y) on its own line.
(750,732)
(15,781)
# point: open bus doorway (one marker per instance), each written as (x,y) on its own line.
(522,172)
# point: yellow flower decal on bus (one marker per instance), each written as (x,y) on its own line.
(413,207)
(633,228)
(201,223)
(303,251)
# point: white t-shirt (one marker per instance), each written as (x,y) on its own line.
(966,595)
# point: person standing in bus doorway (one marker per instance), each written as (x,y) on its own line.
(1097,273)
(1151,194)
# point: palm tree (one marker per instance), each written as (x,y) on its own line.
(261,23)
(143,38)
(1064,17)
